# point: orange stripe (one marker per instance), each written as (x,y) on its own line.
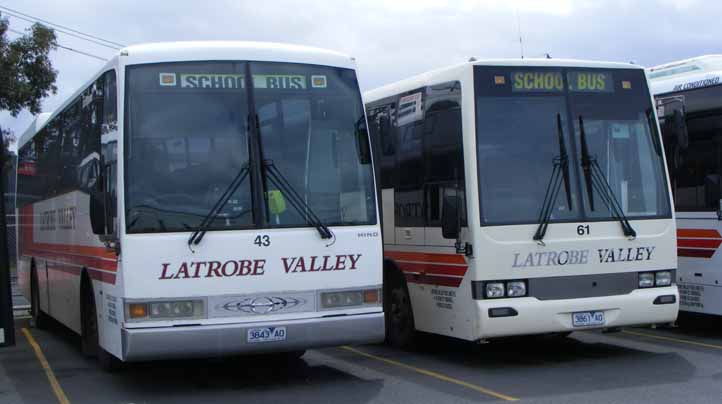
(704,233)
(89,251)
(426,257)
(80,260)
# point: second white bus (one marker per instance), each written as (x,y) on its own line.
(522,197)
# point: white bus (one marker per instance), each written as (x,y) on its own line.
(203,199)
(522,197)
(689,105)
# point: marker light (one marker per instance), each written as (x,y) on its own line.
(138,310)
(371,296)
(646,279)
(663,278)
(494,290)
(516,288)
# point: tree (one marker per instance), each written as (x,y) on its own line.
(26,73)
(26,77)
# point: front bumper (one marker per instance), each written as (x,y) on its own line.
(229,339)
(538,317)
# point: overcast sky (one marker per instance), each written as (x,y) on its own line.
(390,39)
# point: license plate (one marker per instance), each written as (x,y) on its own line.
(266,334)
(588,318)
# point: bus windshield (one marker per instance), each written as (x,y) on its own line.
(519,112)
(188,137)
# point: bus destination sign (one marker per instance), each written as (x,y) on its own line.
(546,81)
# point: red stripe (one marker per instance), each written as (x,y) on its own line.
(434,280)
(699,242)
(425,257)
(94,273)
(704,233)
(432,268)
(93,258)
(690,252)
(84,261)
(92,251)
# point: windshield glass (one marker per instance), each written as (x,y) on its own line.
(517,141)
(187,138)
(186,141)
(311,132)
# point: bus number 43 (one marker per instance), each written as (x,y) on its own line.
(262,240)
(583,230)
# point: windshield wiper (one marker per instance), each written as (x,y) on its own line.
(201,230)
(295,199)
(595,178)
(560,173)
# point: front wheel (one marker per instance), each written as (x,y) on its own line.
(90,338)
(400,329)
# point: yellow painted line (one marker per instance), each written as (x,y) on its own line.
(59,393)
(433,374)
(681,341)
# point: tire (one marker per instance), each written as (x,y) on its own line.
(294,355)
(89,337)
(39,318)
(287,357)
(400,329)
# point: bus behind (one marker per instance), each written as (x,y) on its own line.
(522,197)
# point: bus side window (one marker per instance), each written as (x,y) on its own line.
(109,148)
(443,153)
(408,194)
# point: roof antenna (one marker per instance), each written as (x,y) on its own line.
(518,27)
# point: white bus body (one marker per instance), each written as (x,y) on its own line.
(584,273)
(689,105)
(113,185)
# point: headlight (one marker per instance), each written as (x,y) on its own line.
(164,310)
(348,298)
(494,290)
(663,278)
(646,279)
(516,288)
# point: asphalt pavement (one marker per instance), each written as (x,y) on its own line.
(639,365)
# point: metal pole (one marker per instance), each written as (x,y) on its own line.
(7,323)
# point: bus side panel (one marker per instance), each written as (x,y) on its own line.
(109,306)
(700,263)
(63,295)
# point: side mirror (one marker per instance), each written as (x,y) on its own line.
(97,212)
(679,125)
(362,141)
(450,226)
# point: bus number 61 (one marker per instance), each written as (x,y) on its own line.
(583,230)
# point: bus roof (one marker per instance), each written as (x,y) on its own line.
(454,72)
(687,74)
(233,50)
(205,50)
